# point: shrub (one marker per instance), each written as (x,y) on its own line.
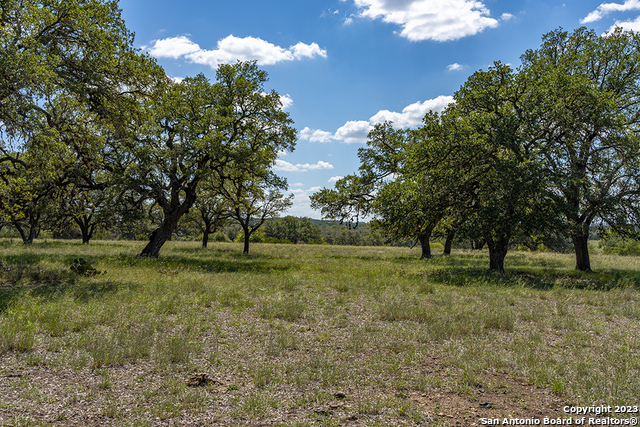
(219,236)
(614,244)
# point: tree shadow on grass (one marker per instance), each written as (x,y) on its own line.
(48,283)
(229,263)
(545,280)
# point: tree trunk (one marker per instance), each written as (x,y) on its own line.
(581,247)
(22,233)
(246,240)
(424,243)
(447,244)
(496,259)
(497,252)
(205,234)
(27,239)
(85,229)
(85,235)
(163,233)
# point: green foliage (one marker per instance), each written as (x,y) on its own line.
(533,155)
(581,88)
(64,67)
(219,236)
(614,244)
(258,236)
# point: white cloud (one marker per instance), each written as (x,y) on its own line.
(315,135)
(286,100)
(506,16)
(607,8)
(302,203)
(231,48)
(353,132)
(335,178)
(357,131)
(626,25)
(301,50)
(438,20)
(412,115)
(173,47)
(454,67)
(281,165)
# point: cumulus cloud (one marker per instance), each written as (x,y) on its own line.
(315,135)
(357,131)
(454,67)
(353,132)
(173,47)
(438,20)
(335,178)
(607,8)
(302,203)
(626,25)
(281,165)
(412,115)
(231,48)
(286,100)
(506,16)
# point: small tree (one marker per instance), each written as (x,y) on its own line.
(210,211)
(255,201)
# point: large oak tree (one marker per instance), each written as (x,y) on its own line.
(584,103)
(197,129)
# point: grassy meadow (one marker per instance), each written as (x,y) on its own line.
(298,335)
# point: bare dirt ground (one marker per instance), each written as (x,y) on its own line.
(70,397)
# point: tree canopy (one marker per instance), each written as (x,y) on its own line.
(546,149)
(93,117)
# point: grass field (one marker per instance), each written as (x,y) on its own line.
(298,335)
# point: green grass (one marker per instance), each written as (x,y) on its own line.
(287,326)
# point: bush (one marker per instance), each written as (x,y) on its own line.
(436,246)
(219,236)
(613,244)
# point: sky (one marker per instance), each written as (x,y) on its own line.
(341,66)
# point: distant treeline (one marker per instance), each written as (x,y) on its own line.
(303,230)
(286,230)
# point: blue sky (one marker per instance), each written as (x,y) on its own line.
(341,66)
